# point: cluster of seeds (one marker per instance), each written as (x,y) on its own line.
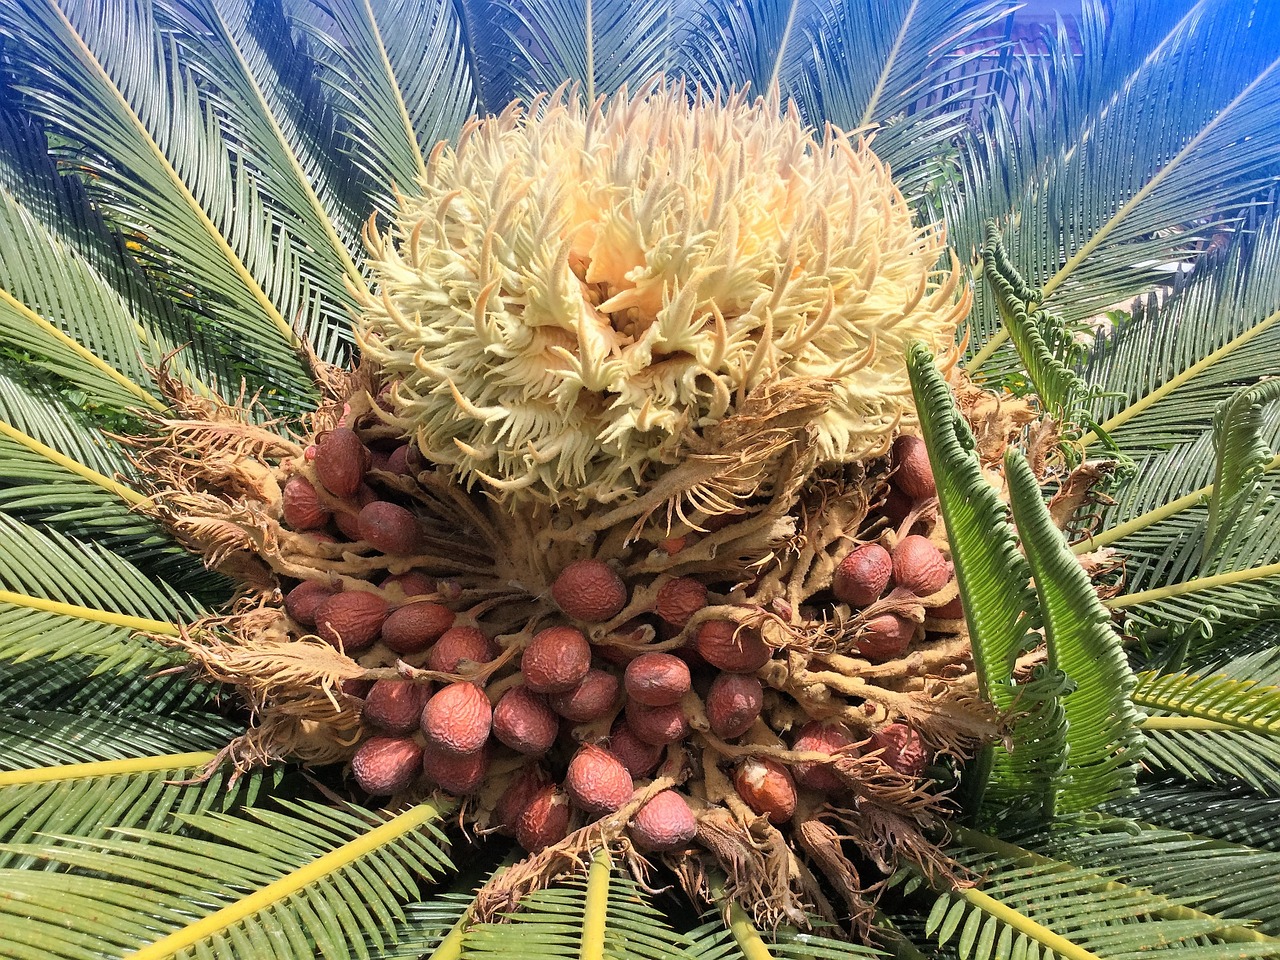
(611,680)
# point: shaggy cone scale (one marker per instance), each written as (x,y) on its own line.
(646,653)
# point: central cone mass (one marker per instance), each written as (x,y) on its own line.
(577,290)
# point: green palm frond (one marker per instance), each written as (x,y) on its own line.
(306,187)
(1241,704)
(599,46)
(1215,756)
(755,44)
(1032,905)
(399,108)
(426,926)
(53,738)
(603,915)
(321,878)
(62,474)
(1042,343)
(740,938)
(61,596)
(1216,727)
(1195,350)
(1241,586)
(94,806)
(52,275)
(1000,606)
(79,683)
(1098,224)
(876,64)
(1242,456)
(1208,875)
(1103,742)
(110,79)
(1236,816)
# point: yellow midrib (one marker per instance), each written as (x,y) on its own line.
(1173,383)
(745,934)
(1152,517)
(595,909)
(140,624)
(1000,336)
(246,277)
(289,884)
(127,494)
(313,199)
(410,134)
(868,115)
(81,351)
(105,768)
(1173,911)
(1187,703)
(1194,586)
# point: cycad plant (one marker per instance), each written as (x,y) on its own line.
(1065,746)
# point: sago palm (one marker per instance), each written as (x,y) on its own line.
(1078,756)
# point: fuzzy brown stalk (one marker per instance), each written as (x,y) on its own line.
(565,858)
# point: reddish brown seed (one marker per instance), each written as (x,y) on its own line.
(545,821)
(351,620)
(348,521)
(820,738)
(657,725)
(597,781)
(664,823)
(657,679)
(411,584)
(640,758)
(301,506)
(457,719)
(590,591)
(458,774)
(723,644)
(919,566)
(524,786)
(863,575)
(303,600)
(591,699)
(386,765)
(389,528)
(886,637)
(679,599)
(767,788)
(951,610)
(356,687)
(341,461)
(398,460)
(457,644)
(415,626)
(733,703)
(556,660)
(395,705)
(385,397)
(913,475)
(523,721)
(903,748)
(896,505)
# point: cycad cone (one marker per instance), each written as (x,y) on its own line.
(692,313)
(579,290)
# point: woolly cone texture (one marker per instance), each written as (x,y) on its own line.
(578,288)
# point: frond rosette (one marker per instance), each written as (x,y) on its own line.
(577,289)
